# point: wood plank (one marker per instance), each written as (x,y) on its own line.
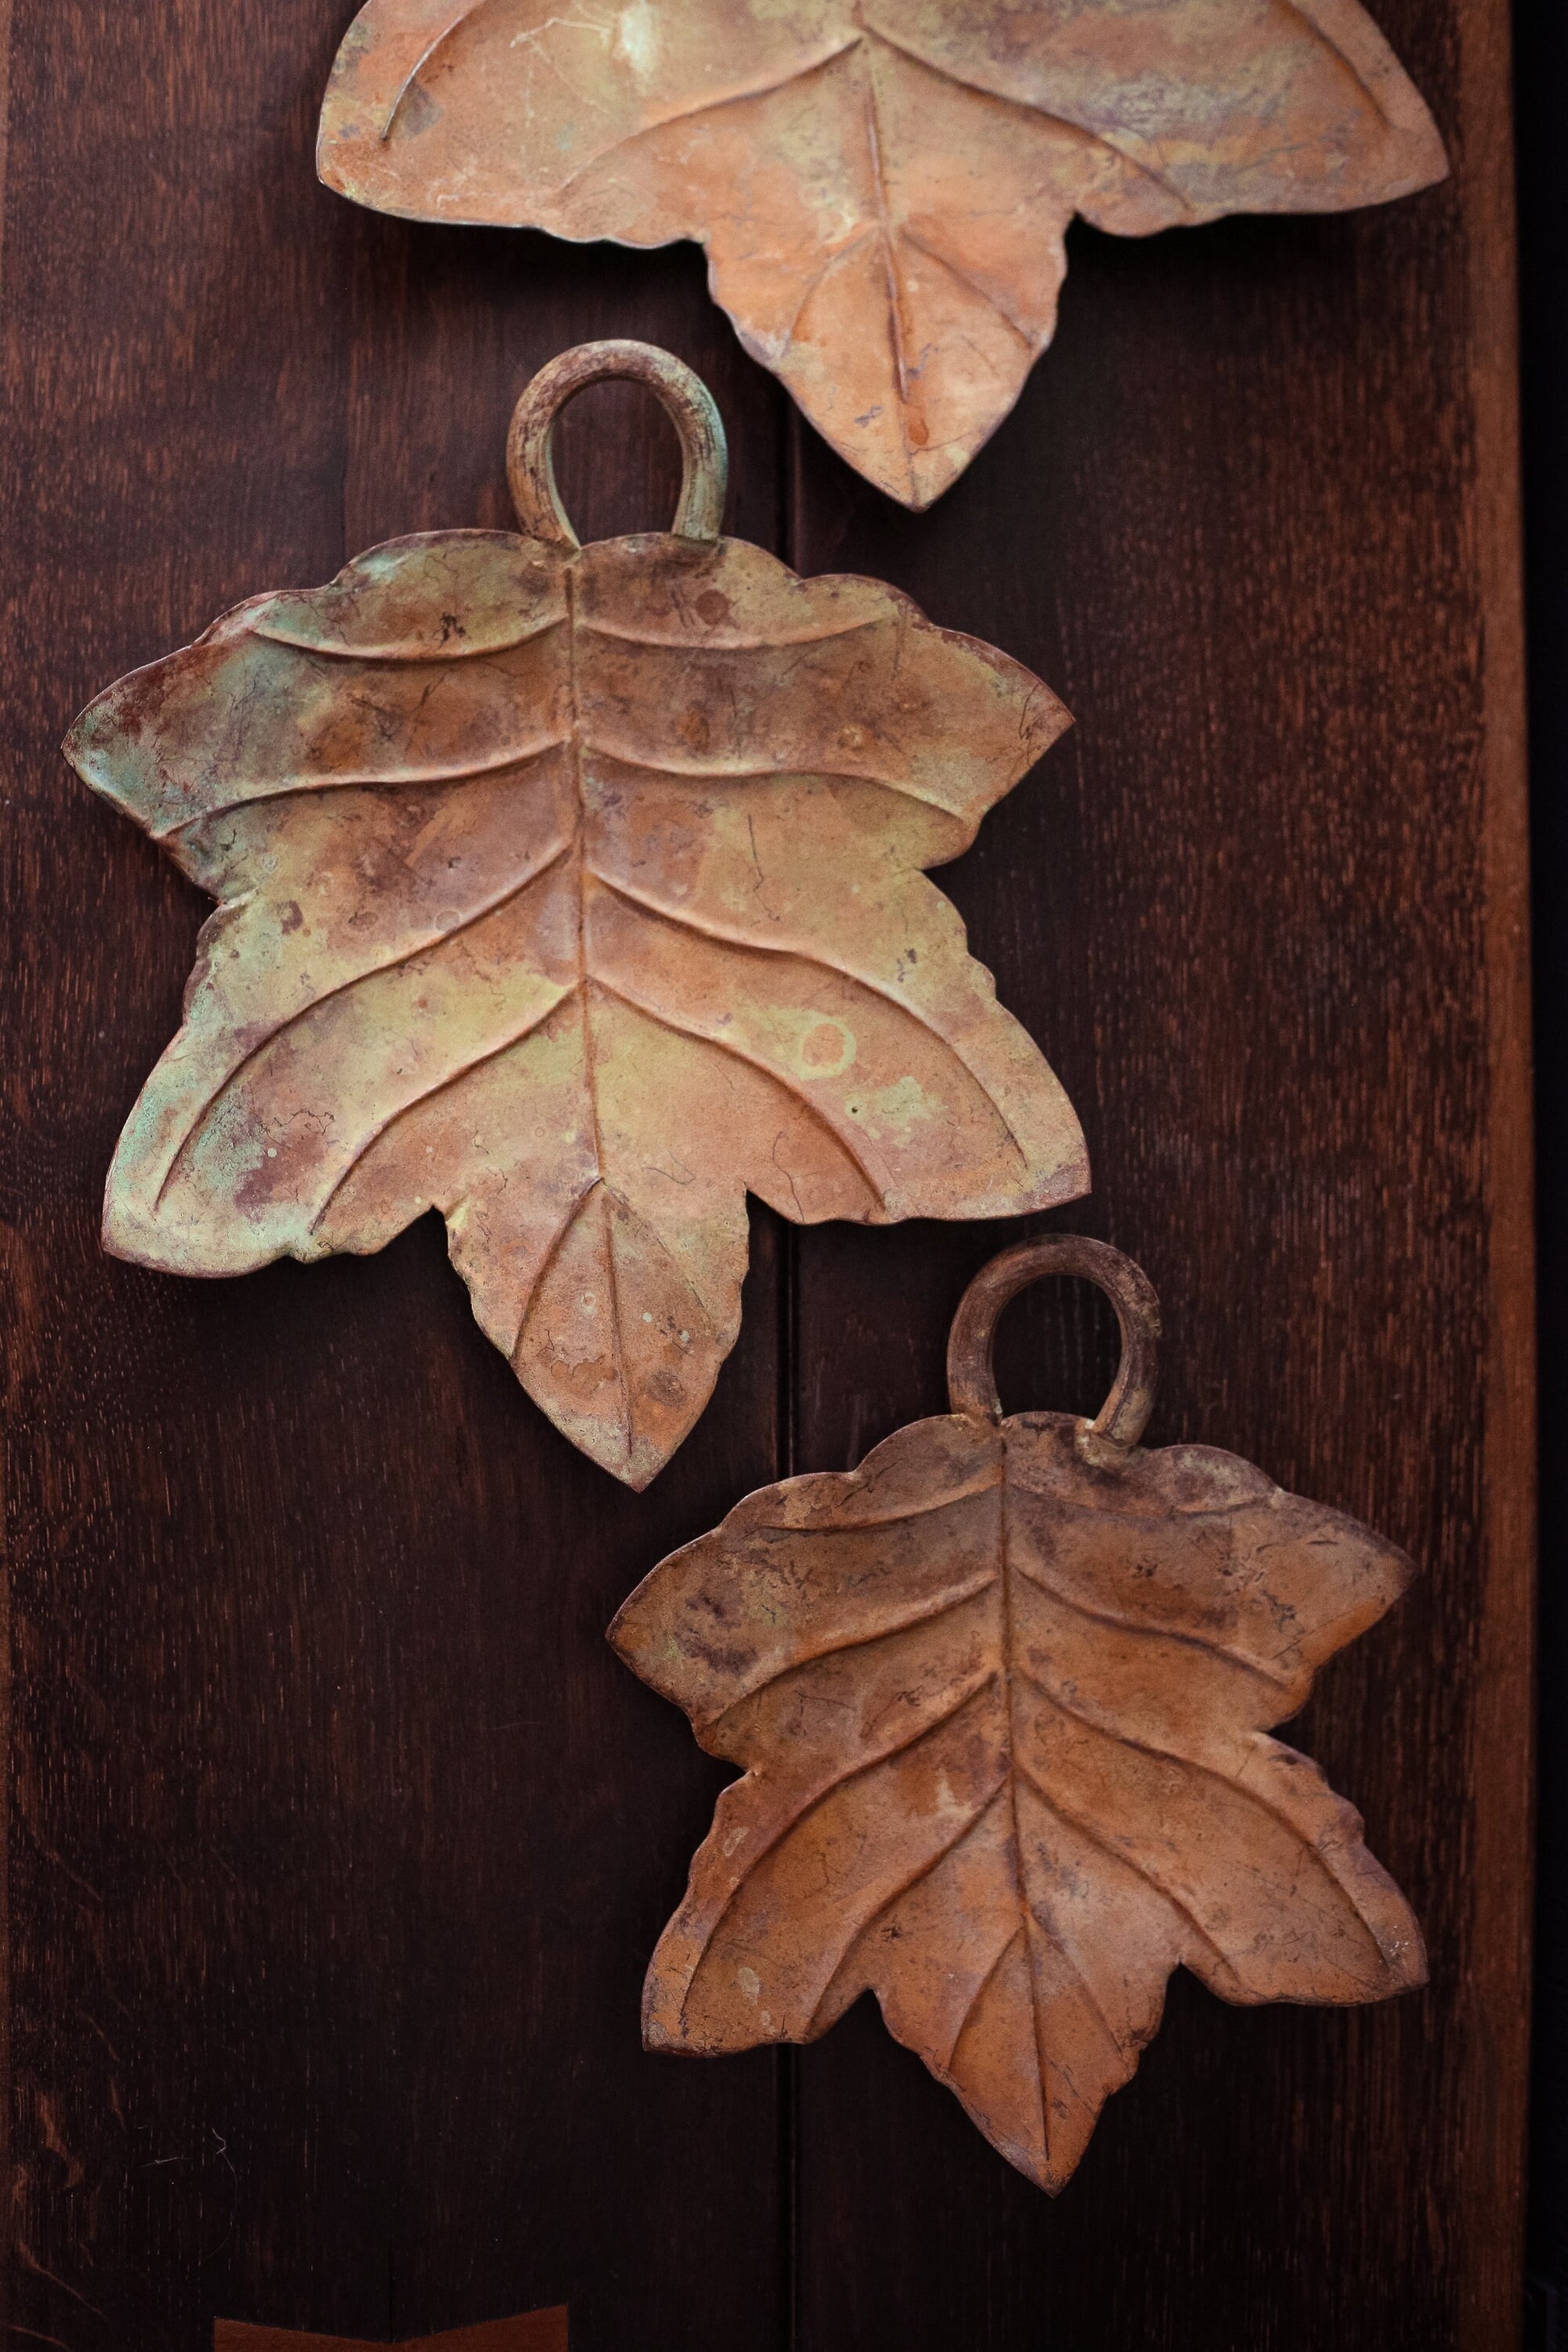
(341,1838)
(1542,67)
(1494,1995)
(1256,519)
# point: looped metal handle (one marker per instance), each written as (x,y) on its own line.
(970,1377)
(685,401)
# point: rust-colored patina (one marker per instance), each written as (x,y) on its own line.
(574,892)
(883,186)
(1002,1696)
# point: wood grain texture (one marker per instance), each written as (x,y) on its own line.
(1495,2021)
(340,1840)
(1541,61)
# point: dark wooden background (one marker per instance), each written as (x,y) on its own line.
(339,1839)
(1541,75)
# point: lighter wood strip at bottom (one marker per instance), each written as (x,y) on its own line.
(530,2331)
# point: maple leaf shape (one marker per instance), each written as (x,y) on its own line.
(883,186)
(1002,1696)
(574,892)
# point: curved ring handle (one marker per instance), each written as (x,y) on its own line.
(971,1376)
(685,401)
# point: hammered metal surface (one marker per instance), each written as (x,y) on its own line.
(1002,1696)
(883,186)
(575,893)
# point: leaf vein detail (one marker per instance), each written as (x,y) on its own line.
(471,9)
(1303,1843)
(889,1902)
(930,1614)
(989,1478)
(965,277)
(413,779)
(977,1996)
(826,1790)
(427,1093)
(727,642)
(1042,114)
(754,1062)
(1120,1622)
(302,1011)
(391,655)
(1093,1836)
(680,919)
(693,113)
